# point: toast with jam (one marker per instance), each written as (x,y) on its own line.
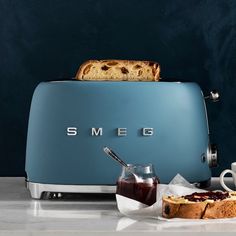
(119,70)
(206,205)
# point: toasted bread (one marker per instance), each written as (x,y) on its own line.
(207,205)
(119,70)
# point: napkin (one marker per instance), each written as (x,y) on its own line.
(178,186)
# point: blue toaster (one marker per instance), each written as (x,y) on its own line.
(163,123)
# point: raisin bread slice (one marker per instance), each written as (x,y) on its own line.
(119,70)
(207,205)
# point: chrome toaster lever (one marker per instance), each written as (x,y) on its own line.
(214,96)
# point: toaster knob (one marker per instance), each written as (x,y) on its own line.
(212,155)
(214,96)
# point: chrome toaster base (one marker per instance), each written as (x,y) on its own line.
(37,189)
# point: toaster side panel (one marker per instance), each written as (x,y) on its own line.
(173,113)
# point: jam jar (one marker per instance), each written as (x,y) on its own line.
(140,186)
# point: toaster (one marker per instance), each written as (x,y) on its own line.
(163,123)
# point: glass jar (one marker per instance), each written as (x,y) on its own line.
(141,187)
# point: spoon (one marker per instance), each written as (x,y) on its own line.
(114,156)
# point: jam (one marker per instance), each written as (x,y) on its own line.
(144,192)
(200,197)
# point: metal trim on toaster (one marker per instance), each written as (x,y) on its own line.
(36,189)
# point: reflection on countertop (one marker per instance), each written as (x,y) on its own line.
(88,214)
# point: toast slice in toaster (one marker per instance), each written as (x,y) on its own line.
(119,70)
(207,205)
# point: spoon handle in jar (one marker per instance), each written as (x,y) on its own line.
(110,153)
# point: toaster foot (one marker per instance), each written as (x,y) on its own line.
(204,184)
(37,189)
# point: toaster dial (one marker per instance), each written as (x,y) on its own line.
(212,155)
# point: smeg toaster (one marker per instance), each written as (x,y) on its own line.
(163,123)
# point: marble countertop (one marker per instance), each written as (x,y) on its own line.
(21,215)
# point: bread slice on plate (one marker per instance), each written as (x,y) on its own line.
(206,205)
(119,70)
